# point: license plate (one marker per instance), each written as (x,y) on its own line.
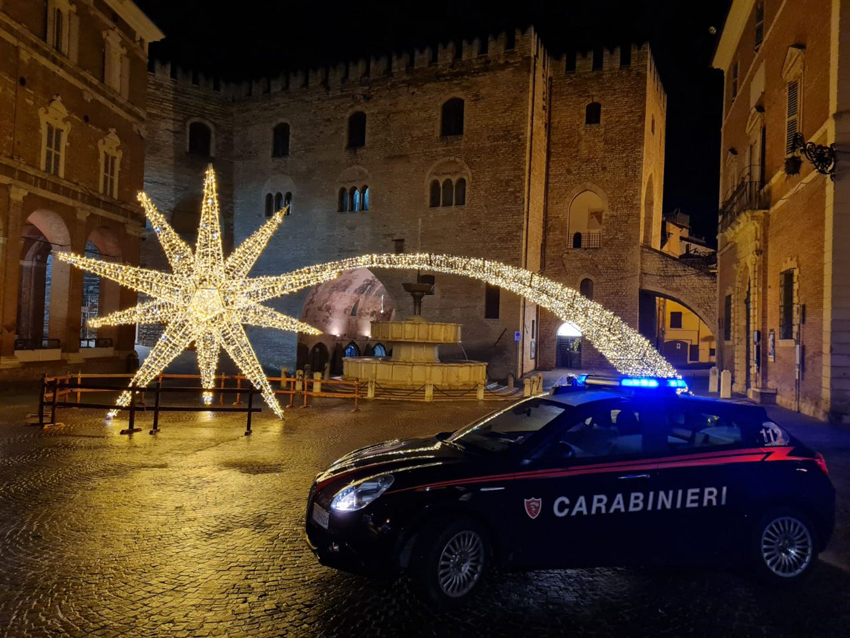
(321,515)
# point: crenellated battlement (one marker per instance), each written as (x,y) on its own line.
(461,54)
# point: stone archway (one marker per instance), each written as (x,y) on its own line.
(623,346)
(44,284)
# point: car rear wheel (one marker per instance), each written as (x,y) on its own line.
(785,543)
(449,562)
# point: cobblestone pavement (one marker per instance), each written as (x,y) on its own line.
(197,532)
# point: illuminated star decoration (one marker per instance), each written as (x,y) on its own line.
(202,301)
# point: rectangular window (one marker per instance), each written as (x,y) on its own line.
(786,304)
(53,150)
(675,319)
(735,80)
(792,116)
(59,30)
(759,24)
(727,318)
(691,429)
(491,302)
(110,163)
(693,353)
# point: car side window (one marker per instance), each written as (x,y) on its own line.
(689,429)
(606,430)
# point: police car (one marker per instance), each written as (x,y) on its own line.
(601,472)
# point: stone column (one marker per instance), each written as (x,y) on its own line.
(11,251)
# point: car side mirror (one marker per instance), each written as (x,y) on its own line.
(564,450)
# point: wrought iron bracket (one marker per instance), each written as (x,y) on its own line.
(821,157)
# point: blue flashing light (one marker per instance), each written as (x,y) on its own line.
(677,383)
(581,379)
(639,382)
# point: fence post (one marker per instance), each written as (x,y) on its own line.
(356,396)
(53,401)
(79,381)
(291,384)
(221,386)
(250,412)
(370,389)
(41,399)
(238,394)
(156,409)
(133,391)
(306,385)
(317,382)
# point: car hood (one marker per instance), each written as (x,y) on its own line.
(391,457)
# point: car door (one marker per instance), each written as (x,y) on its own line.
(582,501)
(703,482)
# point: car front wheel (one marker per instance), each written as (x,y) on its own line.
(785,543)
(449,562)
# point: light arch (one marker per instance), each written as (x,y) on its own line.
(624,347)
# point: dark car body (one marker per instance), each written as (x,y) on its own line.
(681,480)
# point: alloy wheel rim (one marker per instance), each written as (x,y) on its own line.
(786,547)
(461,563)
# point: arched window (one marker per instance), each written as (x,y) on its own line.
(287,201)
(354,199)
(269,205)
(452,117)
(357,130)
(585,217)
(435,194)
(448,193)
(280,140)
(460,192)
(342,203)
(278,201)
(593,113)
(364,198)
(380,350)
(200,139)
(351,350)
(586,288)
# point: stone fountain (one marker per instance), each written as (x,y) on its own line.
(415,359)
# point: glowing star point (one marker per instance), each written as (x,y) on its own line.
(204,300)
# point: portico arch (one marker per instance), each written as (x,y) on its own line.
(43,289)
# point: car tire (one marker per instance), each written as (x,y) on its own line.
(784,547)
(449,561)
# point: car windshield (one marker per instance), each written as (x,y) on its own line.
(510,427)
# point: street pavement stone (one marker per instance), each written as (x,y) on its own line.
(197,531)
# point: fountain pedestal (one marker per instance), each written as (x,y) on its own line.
(415,357)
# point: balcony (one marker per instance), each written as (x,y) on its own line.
(588,239)
(749,194)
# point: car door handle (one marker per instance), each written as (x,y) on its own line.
(633,477)
(490,489)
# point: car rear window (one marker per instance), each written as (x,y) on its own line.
(690,428)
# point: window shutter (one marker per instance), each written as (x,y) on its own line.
(125,77)
(792,114)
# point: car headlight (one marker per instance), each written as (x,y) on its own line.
(358,495)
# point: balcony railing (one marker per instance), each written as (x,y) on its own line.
(749,194)
(587,240)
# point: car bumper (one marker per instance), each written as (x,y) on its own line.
(357,550)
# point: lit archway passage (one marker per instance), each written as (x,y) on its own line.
(624,347)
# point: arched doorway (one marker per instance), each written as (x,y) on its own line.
(319,356)
(568,346)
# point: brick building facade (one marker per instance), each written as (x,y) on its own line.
(73,86)
(783,244)
(490,147)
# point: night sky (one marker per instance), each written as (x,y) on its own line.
(258,37)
